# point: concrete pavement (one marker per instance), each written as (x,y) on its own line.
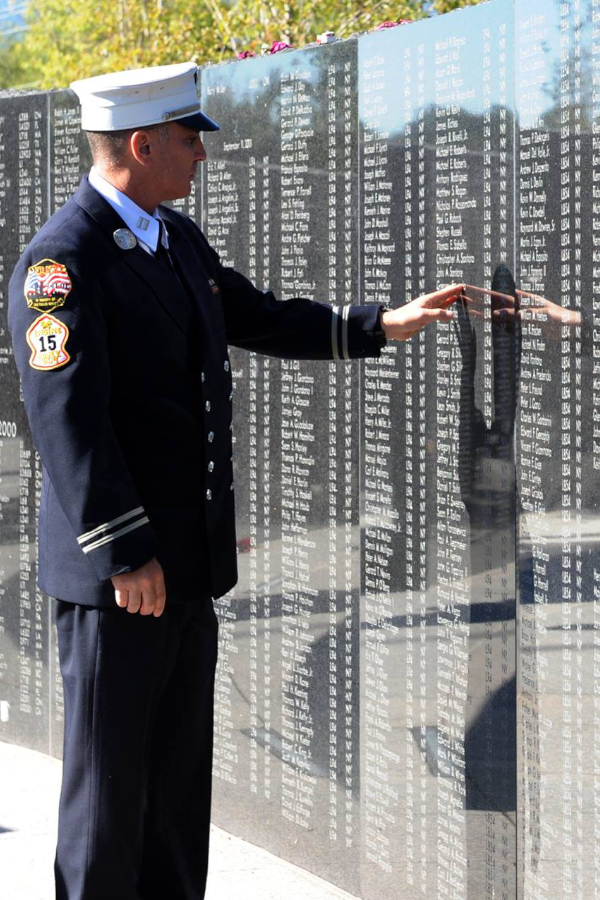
(29,788)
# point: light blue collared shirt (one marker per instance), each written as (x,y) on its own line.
(145,227)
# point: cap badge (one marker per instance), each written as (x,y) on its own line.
(47,285)
(124,238)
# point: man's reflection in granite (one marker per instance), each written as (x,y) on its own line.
(491,737)
(486,468)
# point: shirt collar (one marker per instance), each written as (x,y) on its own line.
(143,225)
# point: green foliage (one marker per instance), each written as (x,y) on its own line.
(68,39)
(444,6)
(252,24)
(12,72)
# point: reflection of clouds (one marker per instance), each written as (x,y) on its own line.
(555,530)
(532,100)
(259,80)
(433,30)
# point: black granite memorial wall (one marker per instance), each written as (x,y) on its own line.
(407,699)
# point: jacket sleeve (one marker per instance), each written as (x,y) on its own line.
(293,329)
(62,355)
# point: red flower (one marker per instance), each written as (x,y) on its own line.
(245,54)
(393,24)
(279,45)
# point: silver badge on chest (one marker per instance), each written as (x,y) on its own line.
(124,238)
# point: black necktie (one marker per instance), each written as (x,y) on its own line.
(161,252)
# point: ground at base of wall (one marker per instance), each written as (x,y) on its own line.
(29,787)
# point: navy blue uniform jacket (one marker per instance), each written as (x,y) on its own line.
(127,386)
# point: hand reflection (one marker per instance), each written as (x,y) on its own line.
(507,309)
(551,317)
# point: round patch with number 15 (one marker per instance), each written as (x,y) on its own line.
(47,338)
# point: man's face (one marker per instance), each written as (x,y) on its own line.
(178,159)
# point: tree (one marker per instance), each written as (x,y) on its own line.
(11,68)
(444,6)
(251,25)
(67,39)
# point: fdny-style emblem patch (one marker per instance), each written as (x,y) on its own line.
(47,285)
(47,338)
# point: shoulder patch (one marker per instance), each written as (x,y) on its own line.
(47,338)
(47,285)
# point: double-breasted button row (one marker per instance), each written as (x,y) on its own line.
(211,435)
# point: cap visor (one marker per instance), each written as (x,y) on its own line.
(198,122)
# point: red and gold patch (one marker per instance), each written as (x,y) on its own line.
(47,338)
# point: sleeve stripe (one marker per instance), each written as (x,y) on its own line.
(335,347)
(345,314)
(115,534)
(83,538)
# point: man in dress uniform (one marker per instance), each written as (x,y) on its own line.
(120,314)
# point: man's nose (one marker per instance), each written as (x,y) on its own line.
(200,152)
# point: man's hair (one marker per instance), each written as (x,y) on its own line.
(109,146)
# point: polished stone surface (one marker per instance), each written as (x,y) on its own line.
(280,203)
(557,62)
(406,693)
(378,701)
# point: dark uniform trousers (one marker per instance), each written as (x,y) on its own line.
(128,389)
(135,801)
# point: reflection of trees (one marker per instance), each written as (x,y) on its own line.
(584,85)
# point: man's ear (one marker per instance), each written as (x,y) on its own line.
(141,147)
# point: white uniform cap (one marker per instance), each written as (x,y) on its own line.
(138,97)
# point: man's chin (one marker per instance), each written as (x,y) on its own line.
(181,193)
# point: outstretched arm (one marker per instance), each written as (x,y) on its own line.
(402,323)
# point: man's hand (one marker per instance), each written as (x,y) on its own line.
(141,591)
(402,323)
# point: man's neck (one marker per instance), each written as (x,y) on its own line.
(123,181)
